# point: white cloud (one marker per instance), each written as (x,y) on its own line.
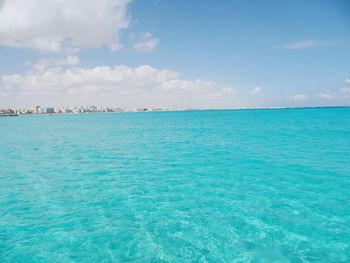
(145,42)
(143,86)
(328,95)
(64,25)
(342,93)
(48,62)
(308,44)
(256,91)
(299,97)
(302,45)
(336,94)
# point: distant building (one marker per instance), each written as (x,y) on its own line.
(37,110)
(50,110)
(92,109)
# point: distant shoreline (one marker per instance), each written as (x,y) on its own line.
(8,115)
(171,110)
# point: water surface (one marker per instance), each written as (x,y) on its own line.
(196,186)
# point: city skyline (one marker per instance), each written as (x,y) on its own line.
(77,109)
(144,54)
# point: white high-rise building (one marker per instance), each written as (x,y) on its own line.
(37,110)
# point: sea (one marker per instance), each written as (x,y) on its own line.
(267,185)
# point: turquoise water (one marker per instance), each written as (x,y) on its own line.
(197,186)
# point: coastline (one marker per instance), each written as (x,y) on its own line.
(9,115)
(169,110)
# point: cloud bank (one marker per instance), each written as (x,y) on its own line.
(339,94)
(342,93)
(121,86)
(64,25)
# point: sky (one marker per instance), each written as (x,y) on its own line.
(174,54)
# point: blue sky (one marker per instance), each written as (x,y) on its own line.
(257,53)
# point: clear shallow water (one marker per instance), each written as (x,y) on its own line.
(202,186)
